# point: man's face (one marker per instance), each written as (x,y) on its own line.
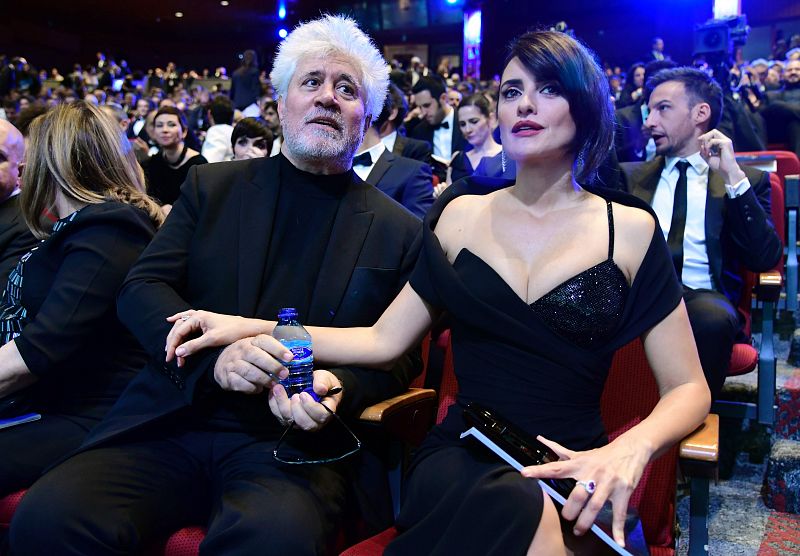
(658,45)
(323,114)
(453,98)
(142,107)
(430,107)
(672,122)
(272,119)
(12,152)
(791,73)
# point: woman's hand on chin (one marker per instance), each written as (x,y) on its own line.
(607,473)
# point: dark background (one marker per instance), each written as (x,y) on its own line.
(147,33)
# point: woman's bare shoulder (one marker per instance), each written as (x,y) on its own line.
(456,218)
(634,229)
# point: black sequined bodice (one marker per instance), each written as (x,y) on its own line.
(585,309)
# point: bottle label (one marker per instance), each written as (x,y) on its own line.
(301,355)
(301,349)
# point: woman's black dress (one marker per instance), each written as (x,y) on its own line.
(542,366)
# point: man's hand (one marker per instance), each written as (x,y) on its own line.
(243,367)
(717,150)
(302,409)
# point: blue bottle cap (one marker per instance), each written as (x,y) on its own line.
(287,313)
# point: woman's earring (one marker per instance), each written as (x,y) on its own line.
(503,161)
(580,160)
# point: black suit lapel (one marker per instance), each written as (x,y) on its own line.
(644,178)
(457,140)
(349,231)
(715,217)
(259,198)
(381,166)
(399,145)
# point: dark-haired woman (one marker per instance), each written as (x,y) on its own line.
(543,279)
(167,169)
(634,86)
(65,355)
(476,122)
(251,138)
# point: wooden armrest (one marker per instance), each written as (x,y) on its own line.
(769,286)
(703,443)
(381,411)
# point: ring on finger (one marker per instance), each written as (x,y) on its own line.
(589,486)
(184,318)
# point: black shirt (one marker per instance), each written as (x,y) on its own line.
(163,181)
(304,216)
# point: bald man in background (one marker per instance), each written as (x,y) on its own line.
(15,238)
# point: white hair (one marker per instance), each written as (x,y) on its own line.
(333,35)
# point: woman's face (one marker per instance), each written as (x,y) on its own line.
(474,125)
(638,77)
(534,117)
(250,147)
(168,130)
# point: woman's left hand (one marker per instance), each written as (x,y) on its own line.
(607,473)
(215,330)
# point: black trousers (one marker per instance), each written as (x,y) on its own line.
(119,498)
(715,324)
(27,450)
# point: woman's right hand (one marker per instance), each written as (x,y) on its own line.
(215,330)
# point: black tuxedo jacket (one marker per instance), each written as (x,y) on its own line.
(407,181)
(211,254)
(739,232)
(412,148)
(629,140)
(424,131)
(15,237)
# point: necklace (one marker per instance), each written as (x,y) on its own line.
(180,158)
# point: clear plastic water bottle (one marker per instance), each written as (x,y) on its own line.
(291,334)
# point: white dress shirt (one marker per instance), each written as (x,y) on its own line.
(696,271)
(389,140)
(443,139)
(374,153)
(276,146)
(217,146)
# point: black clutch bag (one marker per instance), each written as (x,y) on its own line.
(520,449)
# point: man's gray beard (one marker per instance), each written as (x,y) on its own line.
(326,150)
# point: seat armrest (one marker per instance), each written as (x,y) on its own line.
(408,416)
(383,410)
(769,286)
(791,191)
(703,443)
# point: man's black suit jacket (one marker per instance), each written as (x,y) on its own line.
(407,181)
(424,132)
(412,148)
(15,237)
(629,141)
(211,254)
(738,231)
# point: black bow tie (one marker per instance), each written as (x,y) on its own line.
(440,125)
(364,159)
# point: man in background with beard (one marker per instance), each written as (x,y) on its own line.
(193,443)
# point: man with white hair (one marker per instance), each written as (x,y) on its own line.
(15,238)
(197,440)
